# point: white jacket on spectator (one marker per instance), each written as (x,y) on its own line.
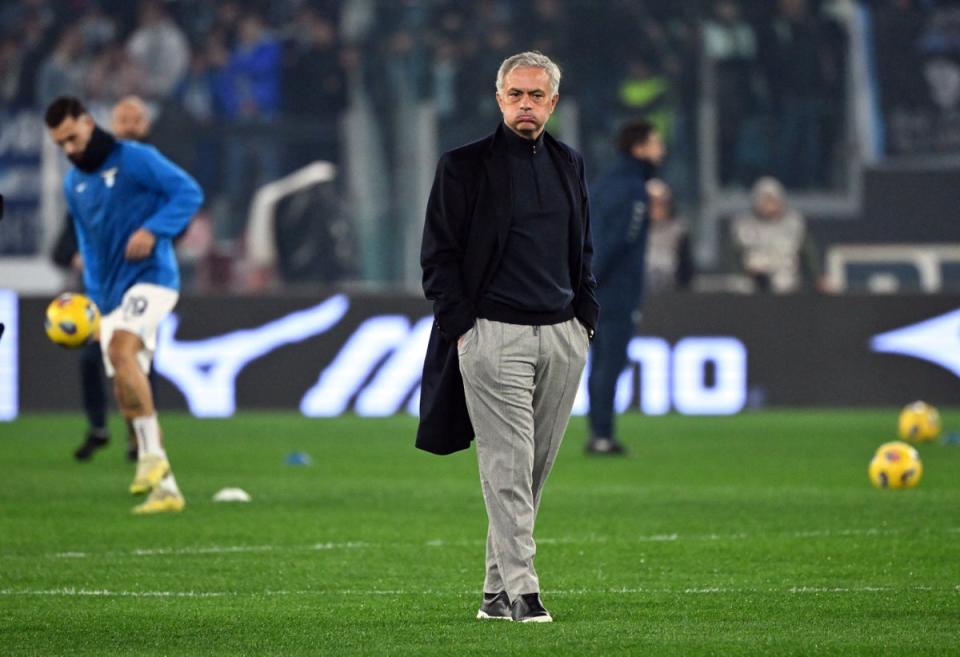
(771,240)
(161,51)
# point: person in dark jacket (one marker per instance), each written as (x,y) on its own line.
(621,223)
(506,261)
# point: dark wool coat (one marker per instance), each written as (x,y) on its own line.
(466,229)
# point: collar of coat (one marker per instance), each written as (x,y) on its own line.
(498,145)
(498,174)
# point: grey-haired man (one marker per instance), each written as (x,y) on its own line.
(506,261)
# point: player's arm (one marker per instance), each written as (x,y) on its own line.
(442,252)
(614,205)
(184,197)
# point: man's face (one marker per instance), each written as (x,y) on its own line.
(653,149)
(129,120)
(73,135)
(769,206)
(526,101)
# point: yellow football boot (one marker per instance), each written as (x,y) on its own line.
(161,501)
(151,468)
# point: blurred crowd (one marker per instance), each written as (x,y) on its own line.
(779,68)
(245,91)
(780,64)
(209,70)
(225,59)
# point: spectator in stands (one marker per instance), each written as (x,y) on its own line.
(314,55)
(898,27)
(771,242)
(196,97)
(461,98)
(14,13)
(98,27)
(112,75)
(550,28)
(681,66)
(64,70)
(798,54)
(248,88)
(730,43)
(254,67)
(9,69)
(645,92)
(159,49)
(33,48)
(226,22)
(479,51)
(669,259)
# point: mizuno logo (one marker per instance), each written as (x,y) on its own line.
(377,370)
(81,188)
(936,340)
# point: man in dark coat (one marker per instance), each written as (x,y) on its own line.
(506,260)
(621,224)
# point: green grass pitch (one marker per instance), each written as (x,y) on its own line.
(750,535)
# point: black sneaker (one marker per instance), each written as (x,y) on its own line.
(528,609)
(92,443)
(608,446)
(496,606)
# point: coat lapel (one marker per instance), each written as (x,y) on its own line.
(568,176)
(501,191)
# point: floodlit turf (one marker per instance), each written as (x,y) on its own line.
(752,535)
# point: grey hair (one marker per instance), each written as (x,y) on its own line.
(530,59)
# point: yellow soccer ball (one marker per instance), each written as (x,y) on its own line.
(895,465)
(72,320)
(919,422)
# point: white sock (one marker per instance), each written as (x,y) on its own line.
(147,430)
(169,484)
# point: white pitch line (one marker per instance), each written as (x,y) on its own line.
(105,593)
(441,543)
(706,590)
(349,545)
(672,537)
(212,549)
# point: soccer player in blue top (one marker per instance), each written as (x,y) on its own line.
(127,202)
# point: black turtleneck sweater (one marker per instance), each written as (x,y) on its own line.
(532,285)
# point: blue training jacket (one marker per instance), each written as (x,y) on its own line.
(620,221)
(135,187)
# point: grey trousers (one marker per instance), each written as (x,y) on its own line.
(520,383)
